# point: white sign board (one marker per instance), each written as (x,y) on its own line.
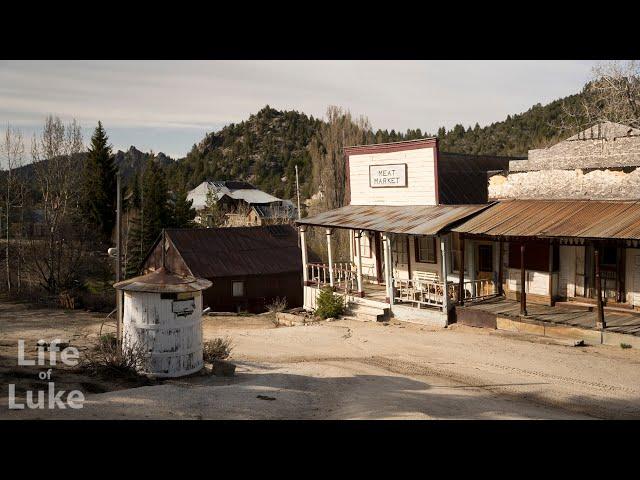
(388,175)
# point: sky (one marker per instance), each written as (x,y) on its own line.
(167,106)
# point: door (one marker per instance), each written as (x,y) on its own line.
(380,267)
(485,269)
(611,271)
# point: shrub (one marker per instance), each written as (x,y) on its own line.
(107,358)
(329,305)
(278,305)
(625,345)
(216,349)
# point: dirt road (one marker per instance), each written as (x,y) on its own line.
(354,370)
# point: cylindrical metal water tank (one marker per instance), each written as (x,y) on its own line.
(162,316)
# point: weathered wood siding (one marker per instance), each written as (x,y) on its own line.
(420,189)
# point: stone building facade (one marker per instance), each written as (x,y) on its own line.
(600,163)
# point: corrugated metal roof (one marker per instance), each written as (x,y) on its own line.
(409,219)
(557,218)
(224,252)
(163,281)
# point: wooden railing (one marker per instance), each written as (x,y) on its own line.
(477,290)
(421,292)
(344,275)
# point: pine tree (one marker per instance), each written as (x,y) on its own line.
(99,190)
(147,222)
(154,202)
(182,213)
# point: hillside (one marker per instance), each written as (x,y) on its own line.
(536,128)
(262,150)
(265,148)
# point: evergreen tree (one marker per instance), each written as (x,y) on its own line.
(154,203)
(100,183)
(182,213)
(154,215)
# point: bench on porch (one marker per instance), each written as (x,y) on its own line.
(424,288)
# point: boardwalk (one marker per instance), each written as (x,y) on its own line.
(566,314)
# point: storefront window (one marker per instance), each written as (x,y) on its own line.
(426,249)
(455,253)
(365,244)
(400,254)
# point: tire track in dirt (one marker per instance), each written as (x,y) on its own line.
(590,406)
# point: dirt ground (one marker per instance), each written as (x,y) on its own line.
(345,370)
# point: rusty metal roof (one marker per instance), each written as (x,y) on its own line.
(163,281)
(557,218)
(238,251)
(409,219)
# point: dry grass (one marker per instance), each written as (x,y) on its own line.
(108,359)
(217,349)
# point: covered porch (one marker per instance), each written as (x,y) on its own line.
(581,255)
(398,257)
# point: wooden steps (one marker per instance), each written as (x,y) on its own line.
(367,313)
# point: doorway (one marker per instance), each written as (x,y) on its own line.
(611,273)
(485,269)
(485,262)
(380,267)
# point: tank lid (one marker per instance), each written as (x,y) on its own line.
(163,281)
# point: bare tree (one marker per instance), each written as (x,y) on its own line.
(327,153)
(55,154)
(612,95)
(12,150)
(330,172)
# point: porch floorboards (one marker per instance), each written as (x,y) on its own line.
(619,322)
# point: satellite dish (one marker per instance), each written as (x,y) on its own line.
(112,252)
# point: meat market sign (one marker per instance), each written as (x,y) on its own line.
(388,175)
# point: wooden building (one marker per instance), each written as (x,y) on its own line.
(404,198)
(566,226)
(249,266)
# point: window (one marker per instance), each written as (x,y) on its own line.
(536,256)
(400,254)
(238,289)
(609,256)
(455,253)
(426,249)
(365,244)
(485,258)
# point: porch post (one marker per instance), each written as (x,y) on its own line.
(523,283)
(358,234)
(328,231)
(600,323)
(445,289)
(303,248)
(386,251)
(500,272)
(461,268)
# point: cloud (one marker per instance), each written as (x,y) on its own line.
(184,99)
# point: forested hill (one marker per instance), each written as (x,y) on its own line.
(265,148)
(262,150)
(536,128)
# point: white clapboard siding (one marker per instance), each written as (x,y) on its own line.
(580,269)
(536,282)
(567,279)
(420,189)
(632,280)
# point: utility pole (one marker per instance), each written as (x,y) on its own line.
(118,254)
(299,215)
(298,192)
